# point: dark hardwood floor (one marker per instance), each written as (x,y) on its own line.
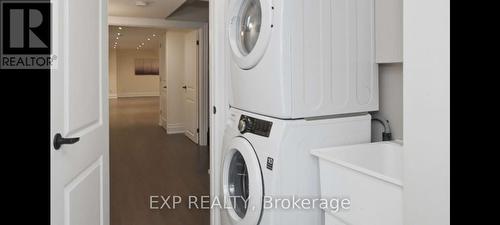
(145,161)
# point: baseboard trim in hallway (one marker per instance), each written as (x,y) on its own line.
(175,129)
(138,94)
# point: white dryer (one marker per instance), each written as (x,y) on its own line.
(266,158)
(302,58)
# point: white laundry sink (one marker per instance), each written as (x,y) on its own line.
(370,175)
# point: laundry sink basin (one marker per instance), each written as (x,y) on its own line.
(370,176)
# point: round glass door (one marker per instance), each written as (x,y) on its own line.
(248,25)
(238,184)
(242,183)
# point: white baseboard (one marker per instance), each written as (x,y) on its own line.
(175,128)
(163,123)
(112,96)
(138,94)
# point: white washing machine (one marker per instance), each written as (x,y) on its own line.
(265,159)
(302,58)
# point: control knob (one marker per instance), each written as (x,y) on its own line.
(244,125)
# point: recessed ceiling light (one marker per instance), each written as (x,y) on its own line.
(149,39)
(119,28)
(117,38)
(119,33)
(141,3)
(154,35)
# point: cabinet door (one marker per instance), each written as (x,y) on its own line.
(389,31)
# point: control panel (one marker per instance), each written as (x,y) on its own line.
(252,125)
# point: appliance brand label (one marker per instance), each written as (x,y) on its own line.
(270,163)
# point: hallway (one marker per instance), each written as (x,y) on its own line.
(145,161)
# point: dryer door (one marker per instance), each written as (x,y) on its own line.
(242,183)
(250,24)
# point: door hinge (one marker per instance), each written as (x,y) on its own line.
(215,110)
(197,42)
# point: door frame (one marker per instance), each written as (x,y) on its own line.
(203,85)
(219,100)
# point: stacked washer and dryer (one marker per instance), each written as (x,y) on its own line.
(303,76)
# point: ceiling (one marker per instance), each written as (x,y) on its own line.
(153,9)
(191,10)
(133,37)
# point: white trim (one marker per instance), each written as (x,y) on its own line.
(177,128)
(218,97)
(138,94)
(203,93)
(163,122)
(426,112)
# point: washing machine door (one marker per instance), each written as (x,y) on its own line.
(242,183)
(250,24)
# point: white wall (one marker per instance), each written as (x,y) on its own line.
(426,112)
(219,92)
(390,100)
(175,80)
(112,73)
(130,85)
(389,31)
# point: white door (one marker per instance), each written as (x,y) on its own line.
(79,108)
(163,103)
(191,86)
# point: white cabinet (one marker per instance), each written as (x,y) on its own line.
(389,31)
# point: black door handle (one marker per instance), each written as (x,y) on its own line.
(184,87)
(59,140)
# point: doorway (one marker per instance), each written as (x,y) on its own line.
(155,143)
(80,122)
(184,83)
